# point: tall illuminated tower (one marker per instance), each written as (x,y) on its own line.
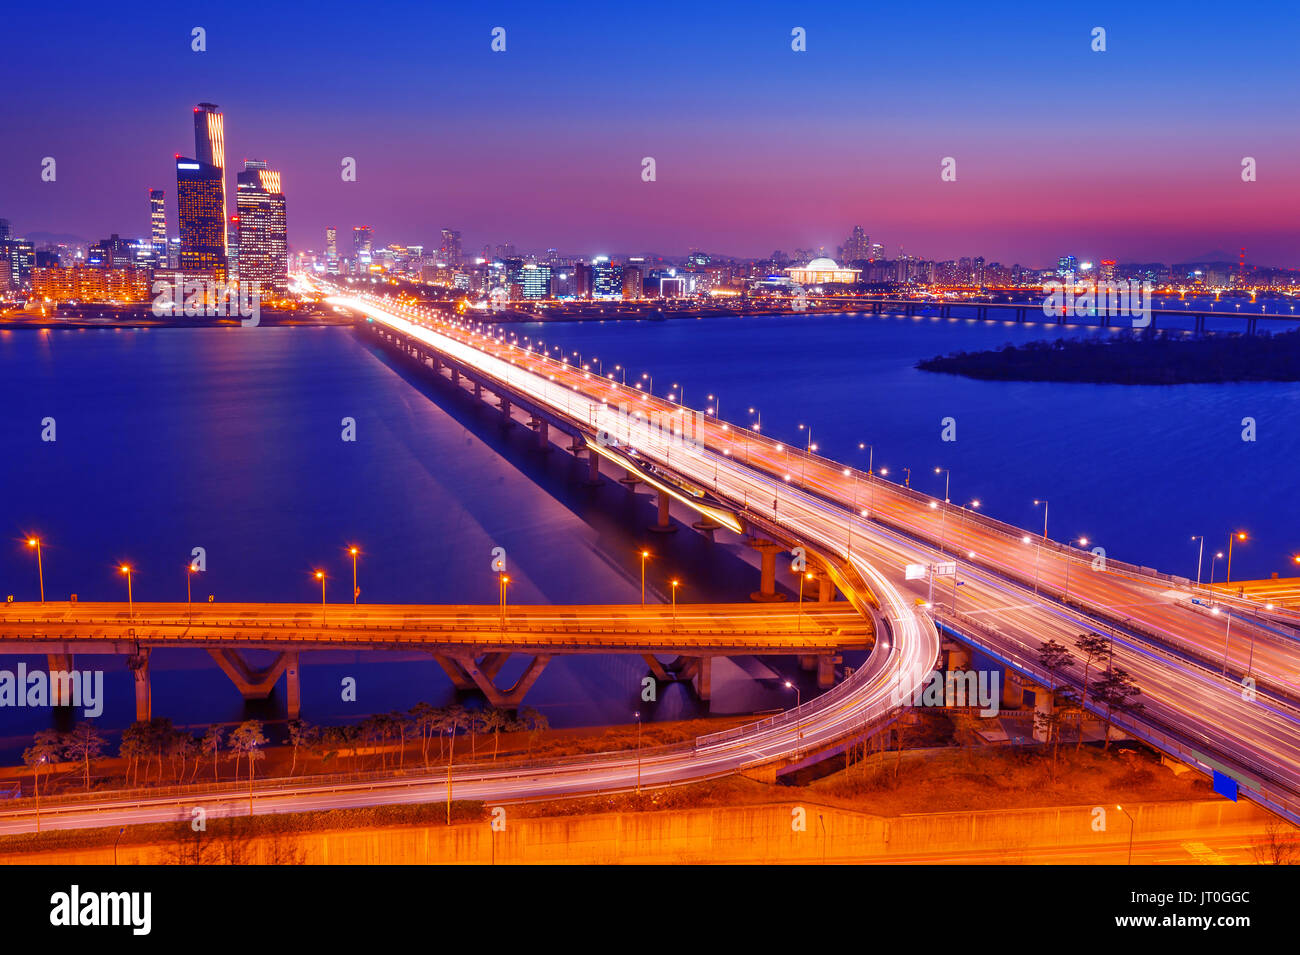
(210,147)
(263,246)
(200,199)
(158,227)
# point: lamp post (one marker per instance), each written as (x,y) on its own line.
(798,702)
(1218,555)
(320,575)
(505,582)
(1227,638)
(675,584)
(1240,536)
(190,571)
(1083,541)
(40,568)
(645,555)
(1132,824)
(638,752)
(130,600)
(799,614)
(36,776)
(1200,555)
(356,591)
(1039,552)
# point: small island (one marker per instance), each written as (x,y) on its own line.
(1163,358)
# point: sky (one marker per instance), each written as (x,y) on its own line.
(1134,153)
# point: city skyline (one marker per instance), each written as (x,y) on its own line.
(775,157)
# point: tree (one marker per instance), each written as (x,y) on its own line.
(210,744)
(1093,647)
(494,720)
(1117,691)
(301,733)
(134,744)
(45,751)
(454,717)
(244,741)
(160,734)
(402,726)
(84,744)
(1279,845)
(182,747)
(535,722)
(424,717)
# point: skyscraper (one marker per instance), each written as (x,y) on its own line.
(200,200)
(331,251)
(857,247)
(158,227)
(362,238)
(210,146)
(263,246)
(449,252)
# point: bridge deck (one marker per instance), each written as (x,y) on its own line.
(619,628)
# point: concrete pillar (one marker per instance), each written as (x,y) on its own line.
(825,588)
(704,679)
(292,689)
(767,576)
(455,376)
(629,478)
(958,656)
(1013,690)
(505,411)
(478,390)
(543,435)
(58,663)
(139,666)
(593,468)
(1043,705)
(664,524)
(825,671)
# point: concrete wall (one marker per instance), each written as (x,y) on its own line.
(736,834)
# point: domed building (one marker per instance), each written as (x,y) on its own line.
(822,272)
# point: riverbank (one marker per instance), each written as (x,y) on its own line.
(1158,359)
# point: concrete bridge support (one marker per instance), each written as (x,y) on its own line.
(481,673)
(664,525)
(506,420)
(1013,690)
(255,684)
(1044,706)
(543,435)
(699,670)
(629,478)
(57,663)
(767,573)
(478,390)
(593,468)
(139,666)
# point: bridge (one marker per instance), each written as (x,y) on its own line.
(1190,655)
(471,643)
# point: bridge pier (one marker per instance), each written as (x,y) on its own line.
(825,588)
(478,390)
(459,678)
(664,525)
(825,671)
(1013,689)
(629,478)
(593,468)
(767,571)
(543,434)
(139,666)
(506,420)
(292,688)
(455,376)
(1043,705)
(58,663)
(656,668)
(481,674)
(254,684)
(958,655)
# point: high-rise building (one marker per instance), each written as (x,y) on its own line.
(111,253)
(232,244)
(363,238)
(158,226)
(263,244)
(632,282)
(857,247)
(200,200)
(5,231)
(210,145)
(1066,264)
(331,251)
(449,253)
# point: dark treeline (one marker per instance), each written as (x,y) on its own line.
(1163,358)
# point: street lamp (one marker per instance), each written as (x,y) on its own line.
(190,571)
(1082,541)
(40,568)
(638,752)
(675,584)
(1200,554)
(1132,824)
(1039,552)
(798,702)
(320,575)
(356,591)
(799,615)
(1218,555)
(505,582)
(1227,637)
(130,600)
(1238,536)
(645,555)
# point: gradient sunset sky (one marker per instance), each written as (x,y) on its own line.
(1134,153)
